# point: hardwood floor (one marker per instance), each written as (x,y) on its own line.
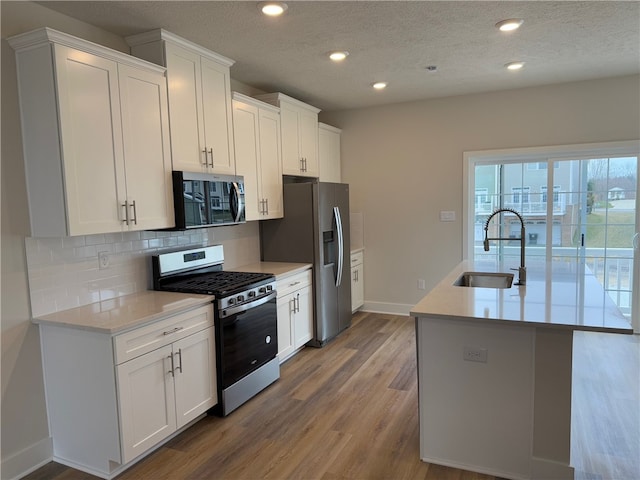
(605,423)
(346,411)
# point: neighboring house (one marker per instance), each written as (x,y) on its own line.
(616,193)
(523,187)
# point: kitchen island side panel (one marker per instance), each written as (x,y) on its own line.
(476,416)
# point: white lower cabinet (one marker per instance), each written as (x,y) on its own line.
(357,280)
(112,398)
(295,313)
(164,390)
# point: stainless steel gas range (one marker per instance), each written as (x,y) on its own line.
(245,319)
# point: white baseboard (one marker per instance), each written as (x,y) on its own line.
(27,460)
(391,308)
(543,468)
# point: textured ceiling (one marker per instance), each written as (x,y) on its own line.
(392,41)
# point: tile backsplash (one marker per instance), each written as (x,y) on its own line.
(65,272)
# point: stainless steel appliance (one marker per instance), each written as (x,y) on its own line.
(246,323)
(207,200)
(315,229)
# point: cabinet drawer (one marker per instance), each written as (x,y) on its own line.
(295,282)
(356,258)
(163,332)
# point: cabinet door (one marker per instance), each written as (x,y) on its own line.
(291,164)
(303,322)
(308,122)
(357,287)
(195,375)
(145,127)
(91,133)
(270,164)
(216,102)
(185,109)
(147,403)
(245,126)
(285,331)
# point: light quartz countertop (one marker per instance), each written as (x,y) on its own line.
(132,311)
(125,313)
(279,269)
(563,295)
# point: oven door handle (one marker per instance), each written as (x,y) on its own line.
(226,312)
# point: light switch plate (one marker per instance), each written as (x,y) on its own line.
(447,216)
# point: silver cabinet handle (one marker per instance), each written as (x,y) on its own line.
(266,202)
(292,305)
(125,205)
(169,332)
(211,152)
(135,213)
(172,371)
(298,302)
(206,157)
(293,284)
(180,357)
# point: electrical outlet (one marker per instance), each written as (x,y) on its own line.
(475,354)
(103,260)
(421,284)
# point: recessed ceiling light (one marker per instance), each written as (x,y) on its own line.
(273,9)
(338,56)
(509,25)
(514,65)
(380,85)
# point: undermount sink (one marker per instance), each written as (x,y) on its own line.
(485,280)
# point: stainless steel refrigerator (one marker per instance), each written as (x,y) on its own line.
(315,229)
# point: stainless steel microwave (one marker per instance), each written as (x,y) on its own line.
(207,200)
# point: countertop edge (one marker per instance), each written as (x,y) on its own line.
(59,319)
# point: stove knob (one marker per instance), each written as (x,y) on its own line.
(240,298)
(269,288)
(232,301)
(252,294)
(262,290)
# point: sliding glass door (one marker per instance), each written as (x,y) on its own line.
(581,205)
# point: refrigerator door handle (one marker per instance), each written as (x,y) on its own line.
(336,213)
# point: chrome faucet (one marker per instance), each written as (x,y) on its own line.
(522,270)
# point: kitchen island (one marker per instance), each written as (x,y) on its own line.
(495,367)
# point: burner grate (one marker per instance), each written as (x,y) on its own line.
(216,283)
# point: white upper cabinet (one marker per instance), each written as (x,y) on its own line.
(258,156)
(94,122)
(199,101)
(329,153)
(299,123)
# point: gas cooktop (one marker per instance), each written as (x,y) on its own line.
(215,283)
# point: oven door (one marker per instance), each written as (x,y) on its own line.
(248,338)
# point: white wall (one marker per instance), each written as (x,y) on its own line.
(404,165)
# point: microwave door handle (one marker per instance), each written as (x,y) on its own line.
(336,213)
(238,202)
